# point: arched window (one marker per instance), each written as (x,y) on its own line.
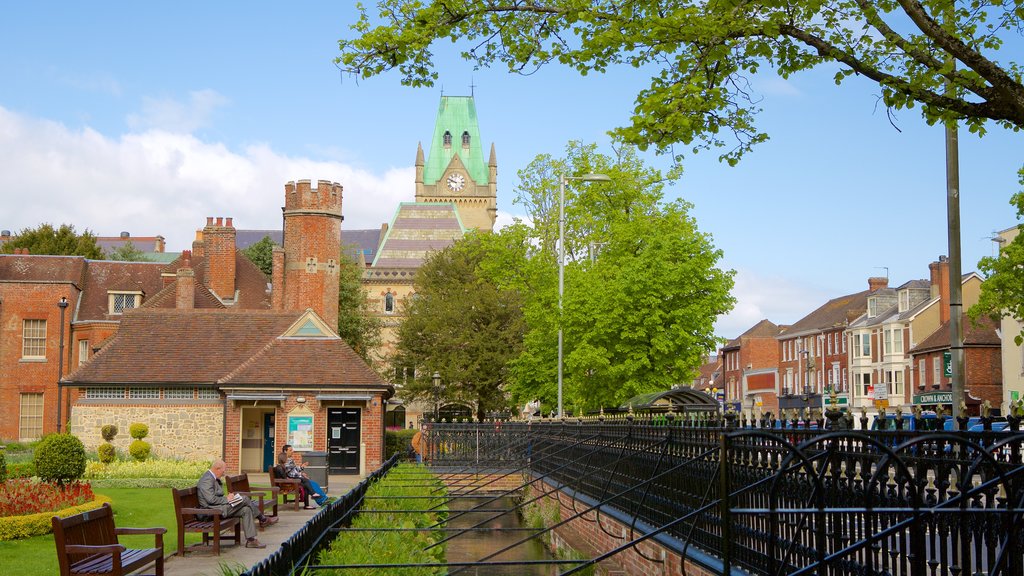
(465,139)
(389,303)
(447,139)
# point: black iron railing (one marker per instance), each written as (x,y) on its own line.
(299,550)
(770,500)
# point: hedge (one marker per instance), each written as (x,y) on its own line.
(15,527)
(398,441)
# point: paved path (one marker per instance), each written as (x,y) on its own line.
(238,557)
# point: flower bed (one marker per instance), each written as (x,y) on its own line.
(183,469)
(26,506)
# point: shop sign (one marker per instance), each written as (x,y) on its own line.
(947,364)
(934,398)
(840,400)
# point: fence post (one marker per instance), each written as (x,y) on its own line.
(723,495)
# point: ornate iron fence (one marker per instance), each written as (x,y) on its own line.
(770,500)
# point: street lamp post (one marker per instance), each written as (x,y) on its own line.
(435,381)
(63,304)
(561,262)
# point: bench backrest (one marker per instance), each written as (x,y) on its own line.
(238,483)
(185,498)
(90,528)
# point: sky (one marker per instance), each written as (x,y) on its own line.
(150,117)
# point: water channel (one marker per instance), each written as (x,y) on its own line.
(474,545)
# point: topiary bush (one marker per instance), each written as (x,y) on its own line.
(60,458)
(138,430)
(105,452)
(109,432)
(140,450)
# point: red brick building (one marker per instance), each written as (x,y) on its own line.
(750,369)
(983,371)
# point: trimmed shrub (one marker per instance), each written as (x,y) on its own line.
(109,432)
(15,527)
(21,470)
(139,450)
(398,441)
(106,453)
(138,430)
(60,458)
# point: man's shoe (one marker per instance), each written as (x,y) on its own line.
(254,543)
(267,521)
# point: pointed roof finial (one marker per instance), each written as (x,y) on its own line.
(419,154)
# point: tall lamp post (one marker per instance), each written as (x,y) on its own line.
(63,304)
(561,262)
(435,381)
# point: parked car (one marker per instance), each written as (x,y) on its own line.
(929,419)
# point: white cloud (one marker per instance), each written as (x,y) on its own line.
(776,86)
(773,298)
(172,115)
(157,182)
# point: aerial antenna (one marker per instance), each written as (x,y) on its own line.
(886,268)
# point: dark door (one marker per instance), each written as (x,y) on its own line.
(268,441)
(343,440)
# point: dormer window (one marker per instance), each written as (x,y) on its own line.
(447,139)
(465,139)
(904,300)
(118,302)
(872,307)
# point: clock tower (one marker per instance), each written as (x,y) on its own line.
(455,170)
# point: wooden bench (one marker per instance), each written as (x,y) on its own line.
(265,498)
(87,544)
(208,521)
(286,486)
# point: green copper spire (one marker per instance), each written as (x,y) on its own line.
(456,116)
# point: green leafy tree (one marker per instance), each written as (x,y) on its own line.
(357,324)
(60,458)
(127,252)
(462,324)
(63,241)
(701,54)
(261,254)
(642,283)
(1002,293)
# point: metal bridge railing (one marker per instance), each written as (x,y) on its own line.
(778,501)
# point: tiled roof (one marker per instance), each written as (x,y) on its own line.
(418,228)
(246,238)
(455,115)
(834,313)
(352,241)
(250,285)
(144,243)
(981,334)
(208,346)
(105,275)
(29,268)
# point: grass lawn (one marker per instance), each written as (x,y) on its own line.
(133,508)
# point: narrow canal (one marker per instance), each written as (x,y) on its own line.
(502,531)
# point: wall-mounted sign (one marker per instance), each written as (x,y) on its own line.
(300,432)
(934,398)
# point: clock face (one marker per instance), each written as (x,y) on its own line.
(456,182)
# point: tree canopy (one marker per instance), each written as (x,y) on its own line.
(463,325)
(1002,293)
(942,56)
(261,254)
(63,241)
(128,252)
(357,324)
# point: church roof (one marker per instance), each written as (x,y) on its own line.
(456,115)
(418,229)
(352,241)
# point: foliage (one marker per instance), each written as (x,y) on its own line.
(164,483)
(399,441)
(23,496)
(463,325)
(63,241)
(138,430)
(3,468)
(27,526)
(140,449)
(701,55)
(106,452)
(21,469)
(127,252)
(358,325)
(261,254)
(1002,293)
(233,569)
(60,458)
(109,432)
(368,547)
(153,468)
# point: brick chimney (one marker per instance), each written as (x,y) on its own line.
(197,244)
(219,249)
(185,294)
(877,283)
(277,278)
(939,275)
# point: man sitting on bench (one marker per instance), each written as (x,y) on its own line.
(211,495)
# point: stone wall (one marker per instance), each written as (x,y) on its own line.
(193,432)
